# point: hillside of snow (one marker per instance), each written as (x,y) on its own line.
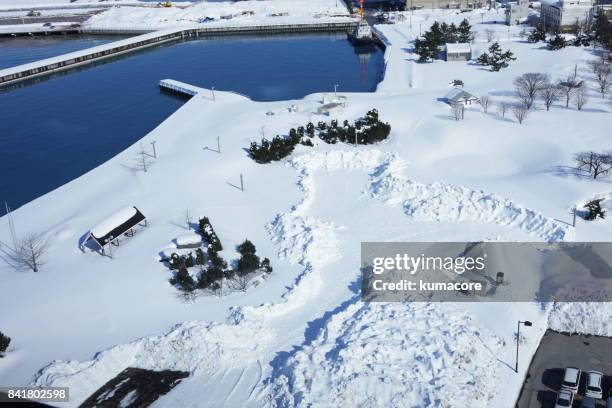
(302,337)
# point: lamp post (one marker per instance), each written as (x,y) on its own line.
(518,339)
(336,89)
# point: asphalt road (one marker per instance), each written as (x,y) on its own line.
(557,351)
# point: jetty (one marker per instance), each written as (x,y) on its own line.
(179,87)
(143,39)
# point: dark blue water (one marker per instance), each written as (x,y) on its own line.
(58,128)
(21,50)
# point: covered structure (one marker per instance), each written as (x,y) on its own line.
(108,231)
(458,51)
(458,96)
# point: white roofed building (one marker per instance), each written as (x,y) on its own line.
(458,51)
(563,15)
(459,96)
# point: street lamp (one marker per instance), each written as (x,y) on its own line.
(518,339)
(336,89)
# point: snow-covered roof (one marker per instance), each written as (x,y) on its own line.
(113,221)
(458,48)
(189,239)
(458,94)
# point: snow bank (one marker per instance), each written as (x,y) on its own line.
(392,355)
(200,348)
(572,318)
(444,202)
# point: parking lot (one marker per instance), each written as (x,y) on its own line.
(557,351)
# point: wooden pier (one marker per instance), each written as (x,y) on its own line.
(74,59)
(179,87)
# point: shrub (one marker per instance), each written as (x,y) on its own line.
(594,210)
(4,343)
(182,280)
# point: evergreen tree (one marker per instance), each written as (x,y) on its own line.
(310,129)
(594,210)
(248,261)
(464,31)
(183,280)
(496,58)
(602,30)
(556,43)
(265,266)
(175,261)
(537,35)
(4,343)
(199,258)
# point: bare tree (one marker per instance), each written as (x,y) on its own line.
(502,108)
(143,159)
(490,34)
(485,101)
(603,74)
(239,282)
(581,97)
(528,85)
(457,111)
(569,85)
(520,112)
(595,164)
(550,93)
(32,250)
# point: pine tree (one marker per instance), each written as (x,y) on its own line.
(265,266)
(175,261)
(464,31)
(248,261)
(199,258)
(594,210)
(556,43)
(537,35)
(602,30)
(496,58)
(183,280)
(4,343)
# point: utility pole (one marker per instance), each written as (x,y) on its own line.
(518,340)
(574,221)
(241,182)
(213,92)
(218,145)
(336,89)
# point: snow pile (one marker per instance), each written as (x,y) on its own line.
(200,348)
(249,12)
(444,202)
(391,355)
(571,317)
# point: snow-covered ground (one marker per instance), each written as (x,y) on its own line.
(303,338)
(249,12)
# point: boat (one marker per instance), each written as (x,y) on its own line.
(363,32)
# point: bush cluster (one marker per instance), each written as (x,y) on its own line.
(213,268)
(366,130)
(4,343)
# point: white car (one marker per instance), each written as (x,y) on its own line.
(571,379)
(565,399)
(593,384)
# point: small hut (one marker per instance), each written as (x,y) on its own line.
(458,96)
(108,231)
(458,52)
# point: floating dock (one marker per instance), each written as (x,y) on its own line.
(74,59)
(179,87)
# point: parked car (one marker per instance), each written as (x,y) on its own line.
(588,402)
(571,379)
(593,384)
(565,399)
